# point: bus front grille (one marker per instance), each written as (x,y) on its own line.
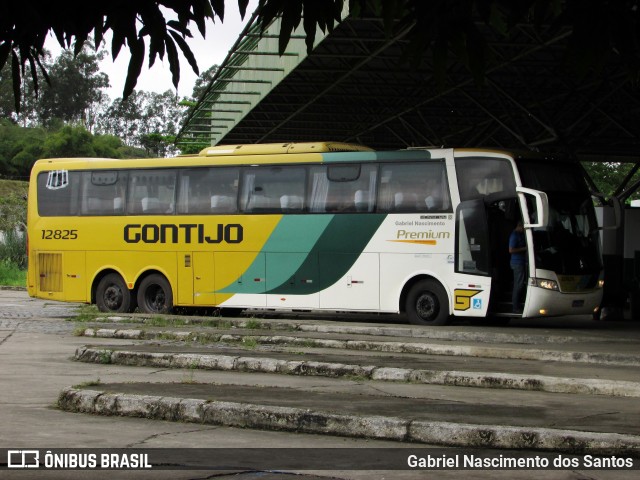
(50,272)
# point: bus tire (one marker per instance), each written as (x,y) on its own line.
(155,295)
(427,303)
(112,295)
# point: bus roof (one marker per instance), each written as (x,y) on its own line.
(274,153)
(225,155)
(279,148)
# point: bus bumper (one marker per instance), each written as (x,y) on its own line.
(549,303)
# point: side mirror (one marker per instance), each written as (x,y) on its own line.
(542,206)
(617,213)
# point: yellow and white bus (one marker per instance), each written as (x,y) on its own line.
(317,226)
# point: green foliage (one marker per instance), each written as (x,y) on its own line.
(13,248)
(428,27)
(105,357)
(253,324)
(13,212)
(69,142)
(76,89)
(79,331)
(13,241)
(135,26)
(249,342)
(89,383)
(11,275)
(202,82)
(14,187)
(190,149)
(86,313)
(148,120)
(107,146)
(607,176)
(19,148)
(7,107)
(125,151)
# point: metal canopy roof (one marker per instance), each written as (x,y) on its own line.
(355,87)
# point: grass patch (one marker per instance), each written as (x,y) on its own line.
(249,342)
(12,275)
(253,324)
(86,313)
(79,332)
(223,324)
(166,336)
(189,378)
(14,187)
(105,357)
(210,323)
(307,344)
(90,383)
(166,322)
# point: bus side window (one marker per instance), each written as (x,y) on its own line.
(208,190)
(414,187)
(344,188)
(152,192)
(273,189)
(103,192)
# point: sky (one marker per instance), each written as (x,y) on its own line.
(220,37)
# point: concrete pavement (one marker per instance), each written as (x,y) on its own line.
(37,348)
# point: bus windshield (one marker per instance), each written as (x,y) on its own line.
(569,245)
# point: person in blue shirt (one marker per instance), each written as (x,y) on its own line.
(518,251)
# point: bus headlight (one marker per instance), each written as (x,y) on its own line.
(546,284)
(601,283)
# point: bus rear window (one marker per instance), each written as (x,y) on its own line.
(58,193)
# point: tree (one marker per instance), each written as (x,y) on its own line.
(22,33)
(76,89)
(107,146)
(599,28)
(202,82)
(69,142)
(161,119)
(609,175)
(19,149)
(122,117)
(6,94)
(27,114)
(146,119)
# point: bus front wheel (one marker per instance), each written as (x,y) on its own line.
(427,304)
(112,295)
(155,295)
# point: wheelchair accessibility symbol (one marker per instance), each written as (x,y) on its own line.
(463,299)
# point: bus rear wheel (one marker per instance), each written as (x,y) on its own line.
(427,304)
(155,295)
(112,295)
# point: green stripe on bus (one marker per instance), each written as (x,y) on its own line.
(308,253)
(288,247)
(337,249)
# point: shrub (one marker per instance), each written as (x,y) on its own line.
(13,248)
